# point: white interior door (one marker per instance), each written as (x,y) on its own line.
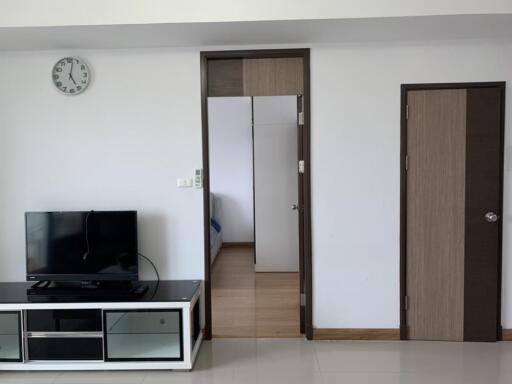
(276,183)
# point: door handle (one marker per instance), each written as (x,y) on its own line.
(295,207)
(491,217)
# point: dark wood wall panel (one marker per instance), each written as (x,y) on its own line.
(225,77)
(259,77)
(256,77)
(273,76)
(289,76)
(483,194)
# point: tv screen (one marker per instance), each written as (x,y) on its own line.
(78,246)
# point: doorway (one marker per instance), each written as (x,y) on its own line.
(263,74)
(451,206)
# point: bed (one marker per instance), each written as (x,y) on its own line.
(215,228)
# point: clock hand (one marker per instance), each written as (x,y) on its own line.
(71,71)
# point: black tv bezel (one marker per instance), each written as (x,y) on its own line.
(65,277)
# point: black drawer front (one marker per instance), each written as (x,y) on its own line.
(68,348)
(63,320)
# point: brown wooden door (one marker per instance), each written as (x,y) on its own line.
(453,204)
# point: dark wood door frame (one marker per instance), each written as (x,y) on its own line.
(403,189)
(308,265)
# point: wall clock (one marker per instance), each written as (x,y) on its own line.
(71,75)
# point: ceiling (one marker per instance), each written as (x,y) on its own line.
(258,32)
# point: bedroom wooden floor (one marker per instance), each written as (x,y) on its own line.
(249,304)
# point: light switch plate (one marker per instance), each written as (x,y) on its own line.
(185,183)
(181,183)
(198,178)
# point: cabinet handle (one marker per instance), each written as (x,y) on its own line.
(63,334)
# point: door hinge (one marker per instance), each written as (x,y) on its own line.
(301,166)
(406,303)
(302,299)
(407,112)
(406,162)
(301,118)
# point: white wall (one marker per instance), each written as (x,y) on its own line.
(146,105)
(120,145)
(231,165)
(103,12)
(356,165)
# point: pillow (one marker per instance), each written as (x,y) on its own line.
(215,225)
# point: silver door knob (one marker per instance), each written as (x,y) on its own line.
(491,217)
(295,207)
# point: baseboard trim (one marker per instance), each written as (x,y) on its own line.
(506,335)
(263,336)
(249,244)
(356,334)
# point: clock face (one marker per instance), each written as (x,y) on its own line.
(71,76)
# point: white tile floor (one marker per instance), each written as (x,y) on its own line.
(298,361)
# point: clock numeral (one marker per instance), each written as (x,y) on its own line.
(64,88)
(62,63)
(82,67)
(78,87)
(55,77)
(71,90)
(58,84)
(58,69)
(70,61)
(84,82)
(84,74)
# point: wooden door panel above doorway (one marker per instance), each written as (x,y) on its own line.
(451,203)
(256,77)
(273,77)
(225,77)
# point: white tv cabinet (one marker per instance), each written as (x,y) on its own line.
(160,330)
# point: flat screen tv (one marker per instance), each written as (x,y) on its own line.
(81,246)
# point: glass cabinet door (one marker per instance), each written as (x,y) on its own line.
(10,336)
(143,335)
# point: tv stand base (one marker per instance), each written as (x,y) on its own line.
(159,330)
(96,289)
